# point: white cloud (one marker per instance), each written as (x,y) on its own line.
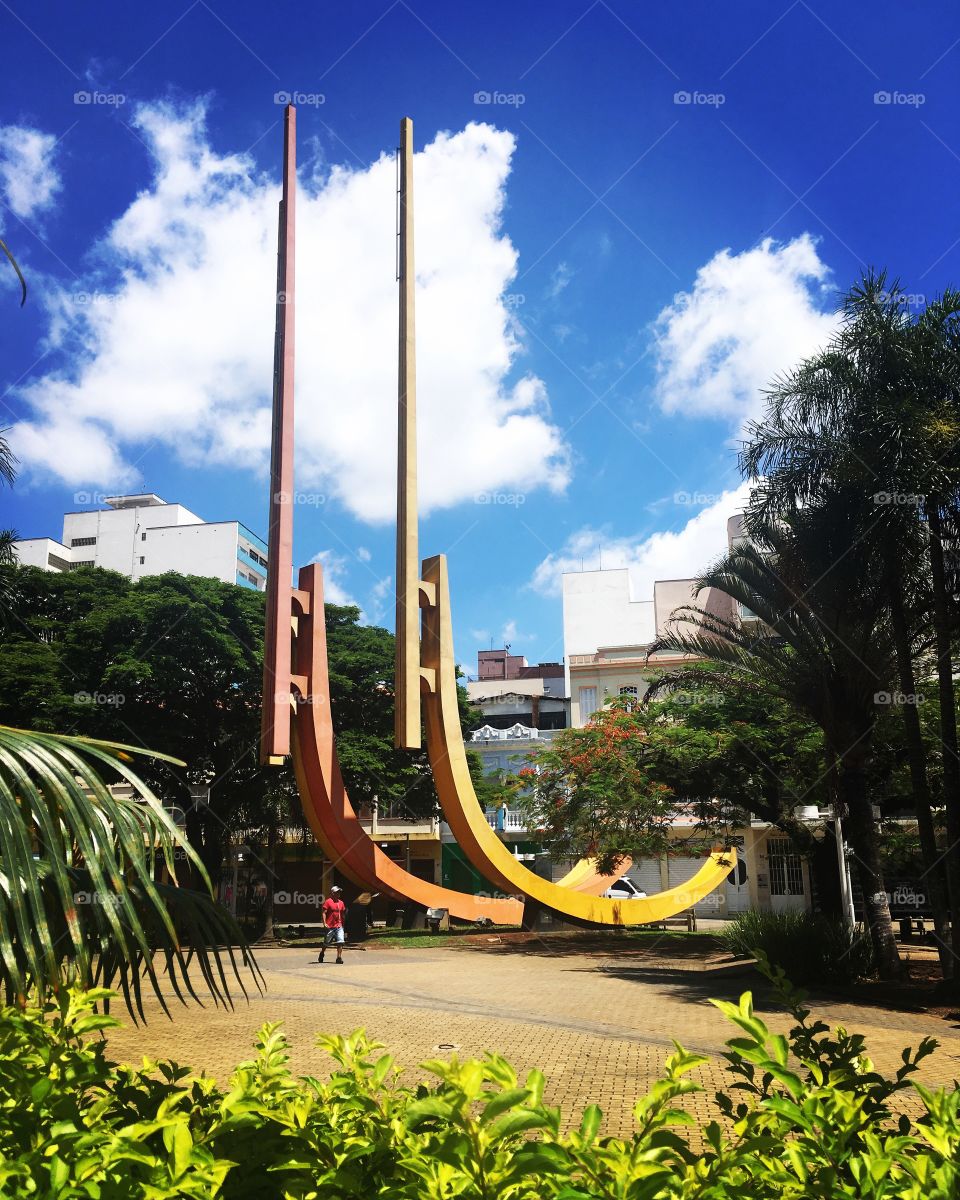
(334,572)
(175,345)
(559,280)
(29,180)
(381,599)
(511,636)
(663,555)
(363,554)
(748,317)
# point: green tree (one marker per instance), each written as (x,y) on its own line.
(879,410)
(175,662)
(825,647)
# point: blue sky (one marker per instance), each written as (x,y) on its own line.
(629,217)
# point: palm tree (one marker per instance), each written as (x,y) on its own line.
(824,645)
(8,555)
(879,410)
(88,880)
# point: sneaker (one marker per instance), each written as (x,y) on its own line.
(339,962)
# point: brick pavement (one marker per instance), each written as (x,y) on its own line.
(599,1026)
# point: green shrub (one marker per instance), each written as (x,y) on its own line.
(814,948)
(811,1118)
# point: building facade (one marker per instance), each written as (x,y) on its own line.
(607,632)
(142,535)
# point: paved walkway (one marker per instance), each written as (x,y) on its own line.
(598,1025)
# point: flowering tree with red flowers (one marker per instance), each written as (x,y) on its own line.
(712,749)
(593,793)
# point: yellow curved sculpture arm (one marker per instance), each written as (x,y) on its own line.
(466,818)
(323,793)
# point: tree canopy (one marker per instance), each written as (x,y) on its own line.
(175,663)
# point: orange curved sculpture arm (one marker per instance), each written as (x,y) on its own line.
(324,796)
(467,820)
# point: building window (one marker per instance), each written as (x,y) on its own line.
(87,541)
(142,560)
(588,703)
(58,563)
(629,690)
(87,562)
(143,537)
(786,868)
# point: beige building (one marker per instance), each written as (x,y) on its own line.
(607,632)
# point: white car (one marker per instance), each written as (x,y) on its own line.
(624,889)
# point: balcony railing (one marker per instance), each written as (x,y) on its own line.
(376,823)
(510,821)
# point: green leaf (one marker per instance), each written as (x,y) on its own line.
(590,1122)
(501,1102)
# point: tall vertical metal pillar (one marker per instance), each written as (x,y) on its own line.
(407,734)
(275,720)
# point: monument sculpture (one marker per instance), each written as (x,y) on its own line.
(297,718)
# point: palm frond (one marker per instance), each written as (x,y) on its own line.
(8,461)
(16,266)
(82,894)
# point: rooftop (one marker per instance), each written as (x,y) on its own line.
(141,500)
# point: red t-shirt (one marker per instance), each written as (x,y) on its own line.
(333,911)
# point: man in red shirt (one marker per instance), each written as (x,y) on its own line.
(333,914)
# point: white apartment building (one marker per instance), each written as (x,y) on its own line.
(144,535)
